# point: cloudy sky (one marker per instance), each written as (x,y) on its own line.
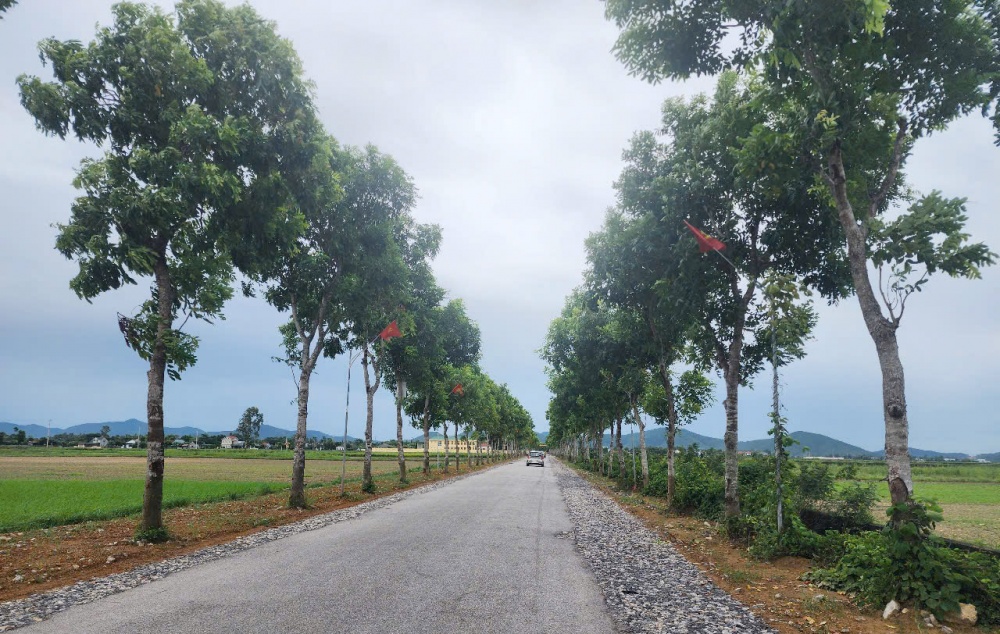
(511,118)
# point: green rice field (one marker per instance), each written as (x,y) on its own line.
(38,491)
(968,494)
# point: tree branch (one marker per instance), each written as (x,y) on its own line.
(890,177)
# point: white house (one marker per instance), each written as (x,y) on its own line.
(98,441)
(231,442)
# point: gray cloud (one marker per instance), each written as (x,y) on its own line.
(511,117)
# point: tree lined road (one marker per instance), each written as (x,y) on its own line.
(486,554)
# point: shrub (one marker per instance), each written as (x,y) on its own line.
(905,562)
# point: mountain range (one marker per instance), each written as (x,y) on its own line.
(134,426)
(807,443)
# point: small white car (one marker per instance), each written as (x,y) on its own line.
(535,457)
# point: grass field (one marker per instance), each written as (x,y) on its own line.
(39,491)
(232,454)
(968,494)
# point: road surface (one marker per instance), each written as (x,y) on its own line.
(488,553)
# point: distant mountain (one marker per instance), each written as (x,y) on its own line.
(32,431)
(923,453)
(992,457)
(817,444)
(542,436)
(270,431)
(132,426)
(657,437)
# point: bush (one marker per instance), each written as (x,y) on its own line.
(905,562)
(700,483)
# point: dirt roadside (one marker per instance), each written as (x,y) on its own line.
(39,560)
(773,590)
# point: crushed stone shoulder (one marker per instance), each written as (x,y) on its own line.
(647,584)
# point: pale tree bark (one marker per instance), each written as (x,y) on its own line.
(427,435)
(643,458)
(881,329)
(400,395)
(621,453)
(668,389)
(311,346)
(729,362)
(152,497)
(367,483)
(458,455)
(447,454)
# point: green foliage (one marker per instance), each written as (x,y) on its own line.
(700,482)
(152,535)
(905,562)
(248,428)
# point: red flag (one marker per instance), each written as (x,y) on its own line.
(706,243)
(458,390)
(390,331)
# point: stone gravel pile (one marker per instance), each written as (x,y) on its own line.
(14,614)
(648,586)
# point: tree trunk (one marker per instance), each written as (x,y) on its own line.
(152,497)
(643,458)
(458,456)
(297,495)
(427,435)
(400,394)
(731,405)
(671,438)
(367,483)
(447,454)
(621,452)
(883,334)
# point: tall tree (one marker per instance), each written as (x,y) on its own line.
(696,177)
(248,429)
(200,114)
(421,296)
(445,338)
(6,4)
(377,290)
(862,82)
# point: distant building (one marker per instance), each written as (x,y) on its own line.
(231,442)
(97,442)
(464,446)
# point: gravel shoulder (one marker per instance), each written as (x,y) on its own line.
(647,584)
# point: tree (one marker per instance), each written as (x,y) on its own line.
(709,300)
(200,115)
(105,432)
(6,4)
(381,200)
(248,428)
(859,84)
(422,295)
(444,338)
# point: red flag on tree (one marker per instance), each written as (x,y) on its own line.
(706,243)
(458,390)
(390,331)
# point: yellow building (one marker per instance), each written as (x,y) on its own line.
(440,445)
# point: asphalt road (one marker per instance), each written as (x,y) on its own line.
(484,554)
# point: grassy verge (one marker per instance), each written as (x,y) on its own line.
(43,503)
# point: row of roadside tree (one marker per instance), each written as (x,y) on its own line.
(216,172)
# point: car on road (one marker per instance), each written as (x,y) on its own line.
(535,457)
